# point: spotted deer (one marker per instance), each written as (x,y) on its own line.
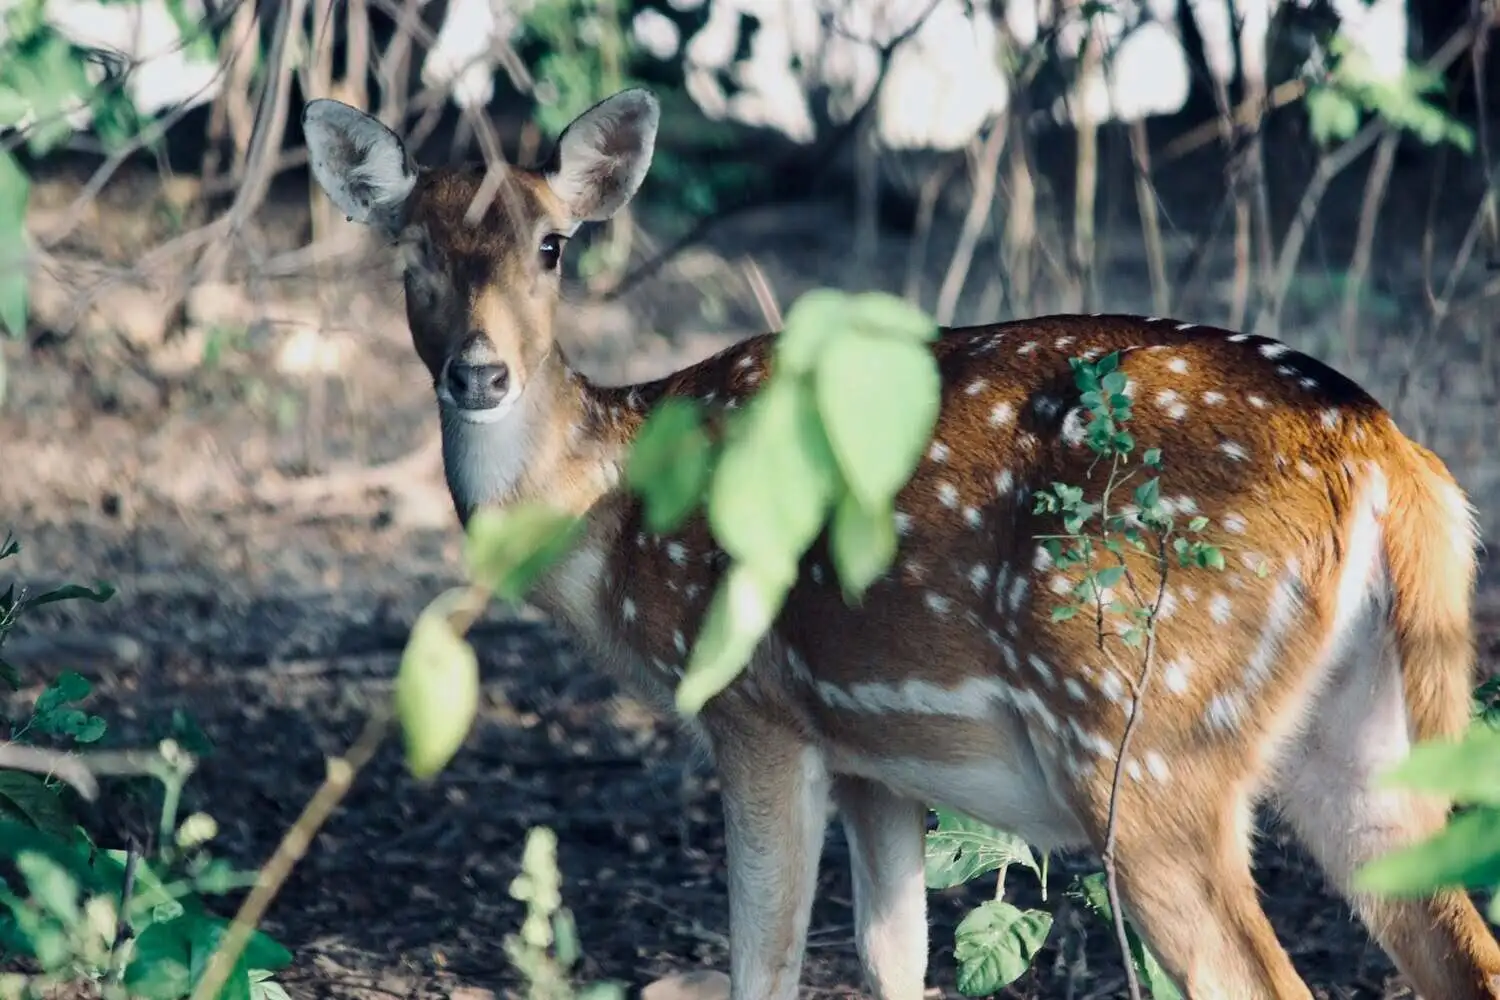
(1337,634)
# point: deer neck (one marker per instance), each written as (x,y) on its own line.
(558,442)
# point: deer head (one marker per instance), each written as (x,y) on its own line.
(482,288)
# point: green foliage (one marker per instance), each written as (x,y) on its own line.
(1466,852)
(836,430)
(65,919)
(1352,86)
(547,947)
(961,849)
(995,945)
(1092,891)
(45,86)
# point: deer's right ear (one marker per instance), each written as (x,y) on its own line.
(360,163)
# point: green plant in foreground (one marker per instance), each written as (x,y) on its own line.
(547,946)
(131,922)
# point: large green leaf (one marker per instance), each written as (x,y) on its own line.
(879,399)
(1467,769)
(159,966)
(774,480)
(739,615)
(510,549)
(863,541)
(1464,853)
(995,945)
(28,796)
(437,689)
(670,463)
(962,848)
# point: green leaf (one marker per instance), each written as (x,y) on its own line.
(437,689)
(159,964)
(1064,612)
(1108,576)
(1331,115)
(1466,770)
(812,322)
(962,849)
(995,944)
(879,400)
(863,543)
(1093,890)
(1464,853)
(15,270)
(68,686)
(71,592)
(52,886)
(885,315)
(670,463)
(264,988)
(28,796)
(204,938)
(774,480)
(739,615)
(510,549)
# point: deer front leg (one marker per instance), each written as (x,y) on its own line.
(886,834)
(775,794)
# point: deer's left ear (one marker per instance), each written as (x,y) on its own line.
(603,155)
(360,163)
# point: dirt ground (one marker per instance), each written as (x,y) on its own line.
(220,483)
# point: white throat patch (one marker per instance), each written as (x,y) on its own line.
(485,453)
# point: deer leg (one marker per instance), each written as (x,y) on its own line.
(1183,863)
(1331,797)
(775,795)
(886,833)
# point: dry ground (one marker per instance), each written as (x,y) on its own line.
(274,613)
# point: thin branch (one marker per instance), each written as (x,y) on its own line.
(293,846)
(82,770)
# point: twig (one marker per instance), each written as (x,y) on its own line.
(764,297)
(293,846)
(987,166)
(122,920)
(1369,213)
(82,770)
(1145,196)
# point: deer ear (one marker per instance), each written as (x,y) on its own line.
(603,155)
(359,162)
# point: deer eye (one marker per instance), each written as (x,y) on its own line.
(550,251)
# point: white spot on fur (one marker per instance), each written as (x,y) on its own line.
(1273,350)
(1178,365)
(1220,609)
(1234,450)
(1234,523)
(948,494)
(1002,414)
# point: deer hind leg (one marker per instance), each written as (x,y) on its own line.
(886,833)
(1183,863)
(1329,794)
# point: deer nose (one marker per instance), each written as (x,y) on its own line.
(477,387)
